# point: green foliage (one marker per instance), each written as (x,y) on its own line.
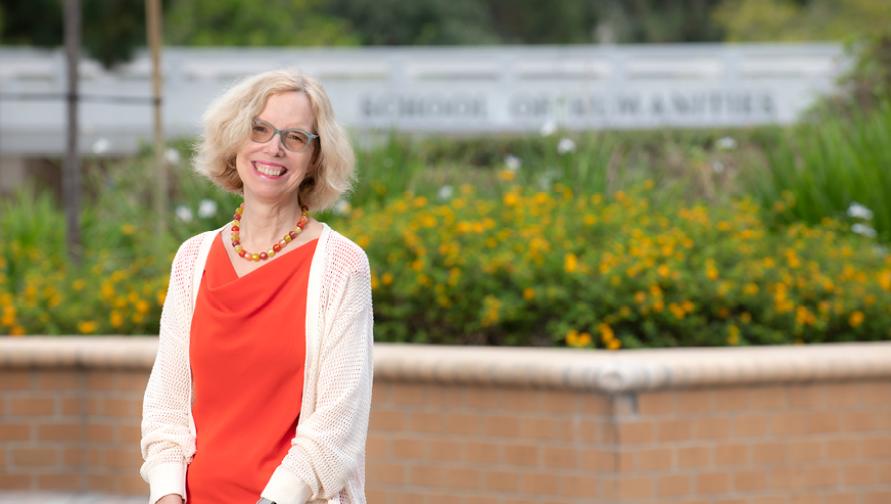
(868,83)
(554,267)
(268,23)
(612,240)
(812,20)
(823,168)
(30,223)
(424,22)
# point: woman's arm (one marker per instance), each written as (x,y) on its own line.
(330,442)
(167,442)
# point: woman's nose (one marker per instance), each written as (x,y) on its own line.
(274,145)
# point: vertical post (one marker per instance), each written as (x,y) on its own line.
(153,16)
(71,167)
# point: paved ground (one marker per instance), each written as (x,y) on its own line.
(67,498)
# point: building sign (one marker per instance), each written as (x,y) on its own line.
(449,90)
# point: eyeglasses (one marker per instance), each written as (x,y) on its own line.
(294,139)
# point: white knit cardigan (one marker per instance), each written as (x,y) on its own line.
(326,461)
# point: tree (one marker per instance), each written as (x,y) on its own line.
(418,22)
(111,29)
(267,23)
(813,20)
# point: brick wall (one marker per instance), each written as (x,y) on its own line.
(475,426)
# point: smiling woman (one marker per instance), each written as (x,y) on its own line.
(261,387)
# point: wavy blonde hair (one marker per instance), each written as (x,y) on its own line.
(227,125)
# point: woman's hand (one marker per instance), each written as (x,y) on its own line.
(171,499)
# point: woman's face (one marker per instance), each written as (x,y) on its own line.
(268,170)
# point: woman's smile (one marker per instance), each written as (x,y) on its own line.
(269,170)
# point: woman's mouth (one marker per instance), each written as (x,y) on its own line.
(270,171)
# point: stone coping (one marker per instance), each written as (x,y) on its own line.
(560,368)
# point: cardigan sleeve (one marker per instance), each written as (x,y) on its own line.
(330,442)
(167,443)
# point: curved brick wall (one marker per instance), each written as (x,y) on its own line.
(511,425)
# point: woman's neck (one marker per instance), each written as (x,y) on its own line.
(263,224)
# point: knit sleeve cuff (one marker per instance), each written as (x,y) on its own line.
(167,478)
(286,488)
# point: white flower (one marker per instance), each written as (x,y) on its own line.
(445,192)
(858,211)
(549,127)
(864,230)
(726,143)
(207,208)
(342,207)
(717,167)
(565,146)
(184,213)
(172,157)
(101,146)
(512,162)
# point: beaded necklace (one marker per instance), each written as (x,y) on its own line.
(276,248)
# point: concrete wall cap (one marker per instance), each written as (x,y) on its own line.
(559,368)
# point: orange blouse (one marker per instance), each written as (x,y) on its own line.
(247,351)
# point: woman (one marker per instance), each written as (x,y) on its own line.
(261,388)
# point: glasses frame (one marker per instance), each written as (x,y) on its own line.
(281,135)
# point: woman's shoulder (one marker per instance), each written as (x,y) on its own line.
(345,253)
(189,249)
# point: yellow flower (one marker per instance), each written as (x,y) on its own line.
(17,330)
(142,306)
(116,319)
(86,327)
(511,199)
(506,175)
(576,339)
(387,278)
(676,310)
(8,316)
(746,317)
(590,220)
(751,289)
(856,319)
(606,333)
(128,229)
(792,259)
(79,284)
(663,271)
(570,263)
(732,335)
(614,344)
(804,317)
(711,271)
(528,293)
(640,297)
(491,311)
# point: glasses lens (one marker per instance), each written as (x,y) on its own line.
(295,140)
(261,132)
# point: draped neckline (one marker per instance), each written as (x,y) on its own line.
(230,276)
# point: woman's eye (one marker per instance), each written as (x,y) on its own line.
(297,137)
(259,128)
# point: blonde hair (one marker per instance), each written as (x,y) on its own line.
(227,125)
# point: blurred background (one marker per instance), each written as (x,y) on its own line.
(699,172)
(573,176)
